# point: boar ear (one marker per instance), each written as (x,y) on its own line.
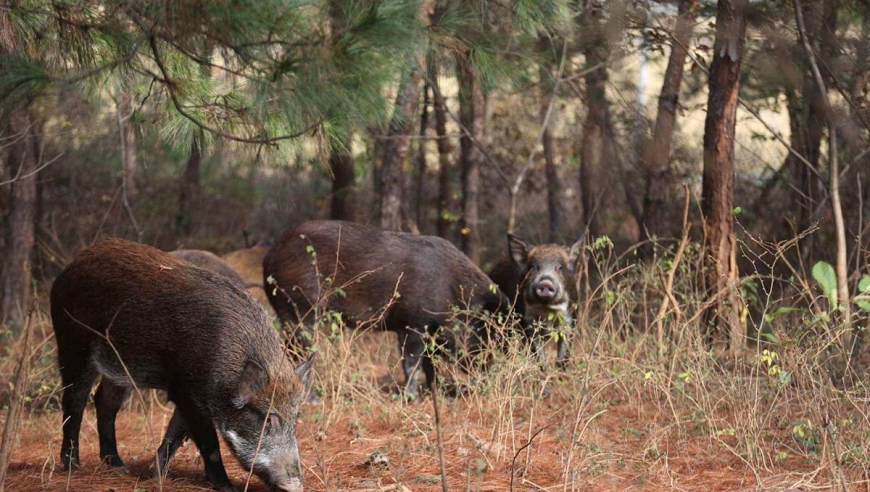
(303,372)
(576,252)
(254,378)
(518,250)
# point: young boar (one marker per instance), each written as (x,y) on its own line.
(403,282)
(248,263)
(209,261)
(542,282)
(138,316)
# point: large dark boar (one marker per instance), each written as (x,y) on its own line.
(136,315)
(542,281)
(209,261)
(403,282)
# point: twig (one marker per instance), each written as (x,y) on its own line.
(669,282)
(524,446)
(441,461)
(31,173)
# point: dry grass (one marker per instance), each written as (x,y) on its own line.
(626,414)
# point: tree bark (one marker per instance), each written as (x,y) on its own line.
(720,273)
(595,145)
(396,147)
(128,134)
(655,159)
(445,150)
(189,190)
(554,185)
(471,115)
(21,132)
(341,166)
(420,211)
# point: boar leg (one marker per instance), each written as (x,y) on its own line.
(204,435)
(108,400)
(77,376)
(562,351)
(414,357)
(534,336)
(176,434)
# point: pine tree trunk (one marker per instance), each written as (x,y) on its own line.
(21,133)
(806,124)
(718,177)
(420,211)
(594,146)
(554,185)
(128,173)
(445,149)
(341,166)
(471,115)
(190,190)
(657,221)
(396,147)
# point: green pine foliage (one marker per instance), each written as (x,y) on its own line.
(254,71)
(263,72)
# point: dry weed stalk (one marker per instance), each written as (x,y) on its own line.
(669,283)
(16,402)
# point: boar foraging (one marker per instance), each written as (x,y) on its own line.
(542,282)
(404,283)
(137,316)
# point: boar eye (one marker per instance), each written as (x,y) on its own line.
(273,422)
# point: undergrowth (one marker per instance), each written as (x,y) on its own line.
(788,409)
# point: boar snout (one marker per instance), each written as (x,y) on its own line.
(292,484)
(545,290)
(285,474)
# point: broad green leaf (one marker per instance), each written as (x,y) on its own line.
(824,274)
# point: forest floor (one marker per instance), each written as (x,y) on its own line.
(361,437)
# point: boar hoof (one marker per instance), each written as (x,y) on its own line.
(113,460)
(219,480)
(70,463)
(224,487)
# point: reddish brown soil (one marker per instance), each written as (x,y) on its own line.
(621,442)
(611,456)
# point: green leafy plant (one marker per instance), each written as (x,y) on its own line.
(824,274)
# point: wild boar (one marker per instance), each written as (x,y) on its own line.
(138,316)
(209,261)
(401,282)
(248,263)
(542,282)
